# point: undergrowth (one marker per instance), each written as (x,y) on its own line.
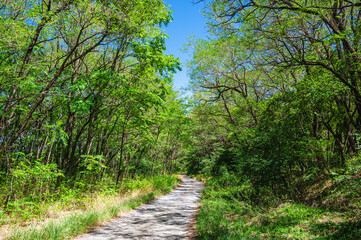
(233,209)
(85,211)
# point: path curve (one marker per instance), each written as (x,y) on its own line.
(167,217)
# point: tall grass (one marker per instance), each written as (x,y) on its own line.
(79,223)
(227,212)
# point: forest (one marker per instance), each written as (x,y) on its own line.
(88,112)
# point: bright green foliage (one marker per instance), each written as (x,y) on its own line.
(85,98)
(79,223)
(227,213)
(86,105)
(276,96)
(276,117)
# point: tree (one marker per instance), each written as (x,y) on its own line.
(83,83)
(282,79)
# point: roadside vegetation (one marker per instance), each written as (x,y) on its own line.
(233,210)
(87,113)
(79,215)
(276,120)
(87,110)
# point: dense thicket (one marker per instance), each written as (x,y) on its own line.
(277,92)
(85,92)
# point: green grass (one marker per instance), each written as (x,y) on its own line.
(77,224)
(223,215)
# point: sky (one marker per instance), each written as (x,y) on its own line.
(187,21)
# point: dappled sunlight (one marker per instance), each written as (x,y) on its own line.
(167,217)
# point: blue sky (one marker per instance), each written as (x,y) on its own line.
(187,21)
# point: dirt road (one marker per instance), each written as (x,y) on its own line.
(167,217)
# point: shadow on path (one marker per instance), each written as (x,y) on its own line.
(167,217)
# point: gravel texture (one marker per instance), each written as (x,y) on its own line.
(168,217)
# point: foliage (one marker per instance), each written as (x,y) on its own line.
(270,104)
(276,118)
(227,214)
(86,100)
(79,223)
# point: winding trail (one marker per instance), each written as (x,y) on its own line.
(168,217)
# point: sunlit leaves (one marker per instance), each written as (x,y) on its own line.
(82,78)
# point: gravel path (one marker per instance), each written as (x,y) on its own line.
(167,217)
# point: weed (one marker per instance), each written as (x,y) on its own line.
(80,221)
(228,213)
